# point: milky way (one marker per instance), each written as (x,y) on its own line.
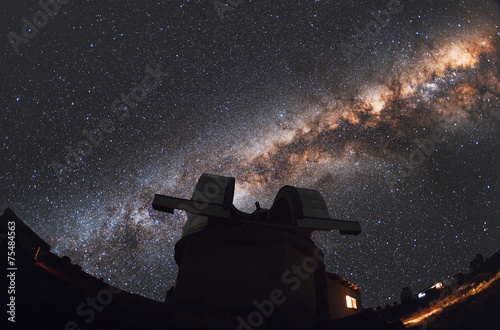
(267,96)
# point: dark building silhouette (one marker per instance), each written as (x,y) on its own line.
(262,268)
(477,262)
(406,295)
(52,293)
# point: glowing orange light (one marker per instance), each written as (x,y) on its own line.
(351,302)
(463,293)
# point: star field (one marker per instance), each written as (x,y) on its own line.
(398,130)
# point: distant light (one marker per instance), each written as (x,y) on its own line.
(421,294)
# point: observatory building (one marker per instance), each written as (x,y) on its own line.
(259,269)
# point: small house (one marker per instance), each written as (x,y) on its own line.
(344,298)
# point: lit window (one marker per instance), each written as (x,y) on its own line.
(351,302)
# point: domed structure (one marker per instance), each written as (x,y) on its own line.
(257,269)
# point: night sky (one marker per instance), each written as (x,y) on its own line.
(394,119)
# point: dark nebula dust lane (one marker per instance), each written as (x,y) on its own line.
(401,134)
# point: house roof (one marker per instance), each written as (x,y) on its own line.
(343,281)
